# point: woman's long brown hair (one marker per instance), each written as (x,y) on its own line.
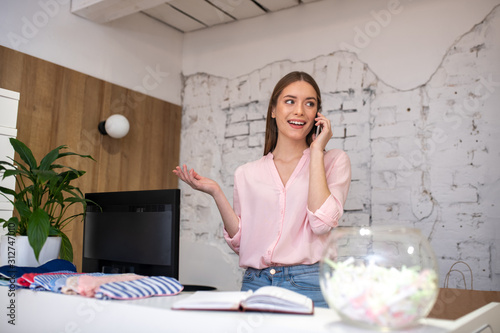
(271,127)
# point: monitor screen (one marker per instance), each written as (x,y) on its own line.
(132,232)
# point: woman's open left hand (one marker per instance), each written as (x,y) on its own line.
(197,182)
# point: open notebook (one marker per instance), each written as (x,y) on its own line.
(267,299)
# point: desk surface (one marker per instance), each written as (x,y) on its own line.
(49,312)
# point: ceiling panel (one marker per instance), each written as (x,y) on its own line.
(183,15)
(274,5)
(240,9)
(108,10)
(174,18)
(202,11)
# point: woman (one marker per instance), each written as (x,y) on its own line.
(285,203)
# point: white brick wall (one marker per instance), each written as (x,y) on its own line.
(426,157)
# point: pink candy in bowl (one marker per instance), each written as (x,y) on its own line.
(381,277)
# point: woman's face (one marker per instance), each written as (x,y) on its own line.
(295,110)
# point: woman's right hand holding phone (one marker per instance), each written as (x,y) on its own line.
(325,132)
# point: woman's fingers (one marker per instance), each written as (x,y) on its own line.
(196,175)
(190,177)
(323,122)
(182,173)
(325,135)
(194,180)
(177,171)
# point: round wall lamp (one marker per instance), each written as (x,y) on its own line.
(116,126)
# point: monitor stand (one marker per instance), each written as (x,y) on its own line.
(195,287)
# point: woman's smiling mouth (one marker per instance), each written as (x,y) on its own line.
(296,123)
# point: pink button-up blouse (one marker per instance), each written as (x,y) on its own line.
(275,225)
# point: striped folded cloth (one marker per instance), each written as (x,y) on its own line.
(54,282)
(27,279)
(142,288)
(87,285)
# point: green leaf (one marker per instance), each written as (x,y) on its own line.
(22,208)
(22,167)
(7,191)
(57,166)
(38,230)
(27,189)
(74,199)
(47,161)
(44,175)
(66,251)
(6,163)
(9,173)
(71,174)
(54,231)
(24,152)
(75,154)
(11,225)
(59,198)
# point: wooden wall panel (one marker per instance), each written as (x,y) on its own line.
(59,106)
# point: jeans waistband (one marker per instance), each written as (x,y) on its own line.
(294,269)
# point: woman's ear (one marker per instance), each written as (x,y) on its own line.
(273,113)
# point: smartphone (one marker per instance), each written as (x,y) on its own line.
(318,129)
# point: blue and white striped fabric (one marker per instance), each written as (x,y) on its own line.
(39,281)
(142,288)
(54,282)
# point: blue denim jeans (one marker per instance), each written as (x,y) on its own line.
(303,279)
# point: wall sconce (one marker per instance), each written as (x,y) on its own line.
(116,126)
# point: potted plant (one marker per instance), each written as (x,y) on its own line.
(44,194)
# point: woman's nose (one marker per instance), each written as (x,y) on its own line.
(299,109)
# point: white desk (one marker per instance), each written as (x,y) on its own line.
(49,312)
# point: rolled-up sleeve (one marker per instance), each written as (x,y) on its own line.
(338,173)
(234,242)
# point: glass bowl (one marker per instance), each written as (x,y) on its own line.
(379,277)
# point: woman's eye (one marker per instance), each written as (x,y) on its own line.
(289,101)
(310,104)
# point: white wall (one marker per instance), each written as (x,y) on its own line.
(404,49)
(414,109)
(134,52)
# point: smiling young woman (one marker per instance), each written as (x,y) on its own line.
(271,125)
(294,116)
(295,112)
(286,202)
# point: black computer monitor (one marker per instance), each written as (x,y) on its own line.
(132,232)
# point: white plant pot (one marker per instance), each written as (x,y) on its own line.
(21,254)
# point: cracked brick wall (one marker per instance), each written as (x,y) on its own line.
(426,157)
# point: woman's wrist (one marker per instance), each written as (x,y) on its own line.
(217,193)
(317,152)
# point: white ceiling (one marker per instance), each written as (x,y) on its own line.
(183,15)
